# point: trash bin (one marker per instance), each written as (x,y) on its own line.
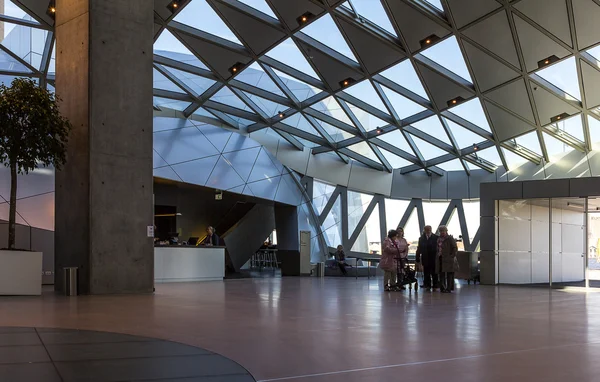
(71,280)
(321,269)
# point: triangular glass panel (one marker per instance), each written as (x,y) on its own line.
(453,165)
(331,107)
(322,194)
(394,210)
(334,217)
(436,3)
(336,134)
(267,106)
(555,148)
(572,126)
(365,92)
(169,46)
(171,103)
(472,112)
(464,138)
(260,5)
(369,238)
(52,65)
(159,81)
(299,122)
(563,75)
(530,141)
(301,90)
(594,125)
(512,160)
(490,155)
(394,160)
(428,150)
(357,204)
(227,97)
(447,54)
(404,74)
(326,32)
(198,14)
(396,138)
(255,75)
(433,127)
(595,52)
(368,121)
(372,10)
(363,148)
(10,64)
(402,105)
(307,143)
(26,43)
(434,212)
(196,83)
(412,230)
(455,229)
(12,10)
(288,53)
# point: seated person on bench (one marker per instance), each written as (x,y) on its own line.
(340,257)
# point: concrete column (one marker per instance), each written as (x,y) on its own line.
(104,193)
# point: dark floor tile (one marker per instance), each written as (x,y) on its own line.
(147,368)
(33,372)
(54,330)
(10,329)
(79,352)
(85,337)
(23,354)
(222,378)
(19,339)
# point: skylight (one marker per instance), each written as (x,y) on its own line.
(326,32)
(363,149)
(169,46)
(254,75)
(572,126)
(436,3)
(563,75)
(288,53)
(404,74)
(472,112)
(402,106)
(301,90)
(490,155)
(299,122)
(396,138)
(195,83)
(365,92)
(556,149)
(260,5)
(447,54)
(464,138)
(372,10)
(368,121)
(433,127)
(394,160)
(594,125)
(530,141)
(198,14)
(428,150)
(513,160)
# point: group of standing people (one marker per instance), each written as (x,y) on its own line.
(435,254)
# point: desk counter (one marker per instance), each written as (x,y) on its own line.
(186,263)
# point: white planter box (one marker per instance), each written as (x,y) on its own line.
(20,273)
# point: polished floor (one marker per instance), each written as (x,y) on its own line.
(343,329)
(64,355)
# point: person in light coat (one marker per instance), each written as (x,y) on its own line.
(446,256)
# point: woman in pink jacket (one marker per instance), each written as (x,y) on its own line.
(394,247)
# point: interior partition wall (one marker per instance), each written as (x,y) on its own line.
(538,232)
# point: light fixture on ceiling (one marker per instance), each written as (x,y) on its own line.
(455,101)
(305,18)
(559,117)
(347,82)
(176,5)
(475,147)
(51,11)
(379,130)
(280,114)
(547,61)
(429,40)
(236,68)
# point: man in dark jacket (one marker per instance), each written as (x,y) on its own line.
(211,237)
(426,255)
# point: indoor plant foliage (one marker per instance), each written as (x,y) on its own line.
(33,133)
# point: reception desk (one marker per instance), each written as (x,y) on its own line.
(185,264)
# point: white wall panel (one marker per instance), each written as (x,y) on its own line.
(540,237)
(573,238)
(514,235)
(557,267)
(573,267)
(541,213)
(365,179)
(514,268)
(540,267)
(329,167)
(516,209)
(573,217)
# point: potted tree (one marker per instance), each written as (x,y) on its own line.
(33,133)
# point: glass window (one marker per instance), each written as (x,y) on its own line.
(260,5)
(394,210)
(326,32)
(428,150)
(372,10)
(288,53)
(198,14)
(447,54)
(472,112)
(169,46)
(402,105)
(464,138)
(530,141)
(404,74)
(394,160)
(365,92)
(563,75)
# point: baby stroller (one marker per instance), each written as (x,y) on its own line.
(406,274)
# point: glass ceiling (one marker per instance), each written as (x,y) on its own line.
(416,98)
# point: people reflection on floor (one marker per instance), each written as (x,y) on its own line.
(446,263)
(340,258)
(425,258)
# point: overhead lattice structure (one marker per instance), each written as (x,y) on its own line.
(436,85)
